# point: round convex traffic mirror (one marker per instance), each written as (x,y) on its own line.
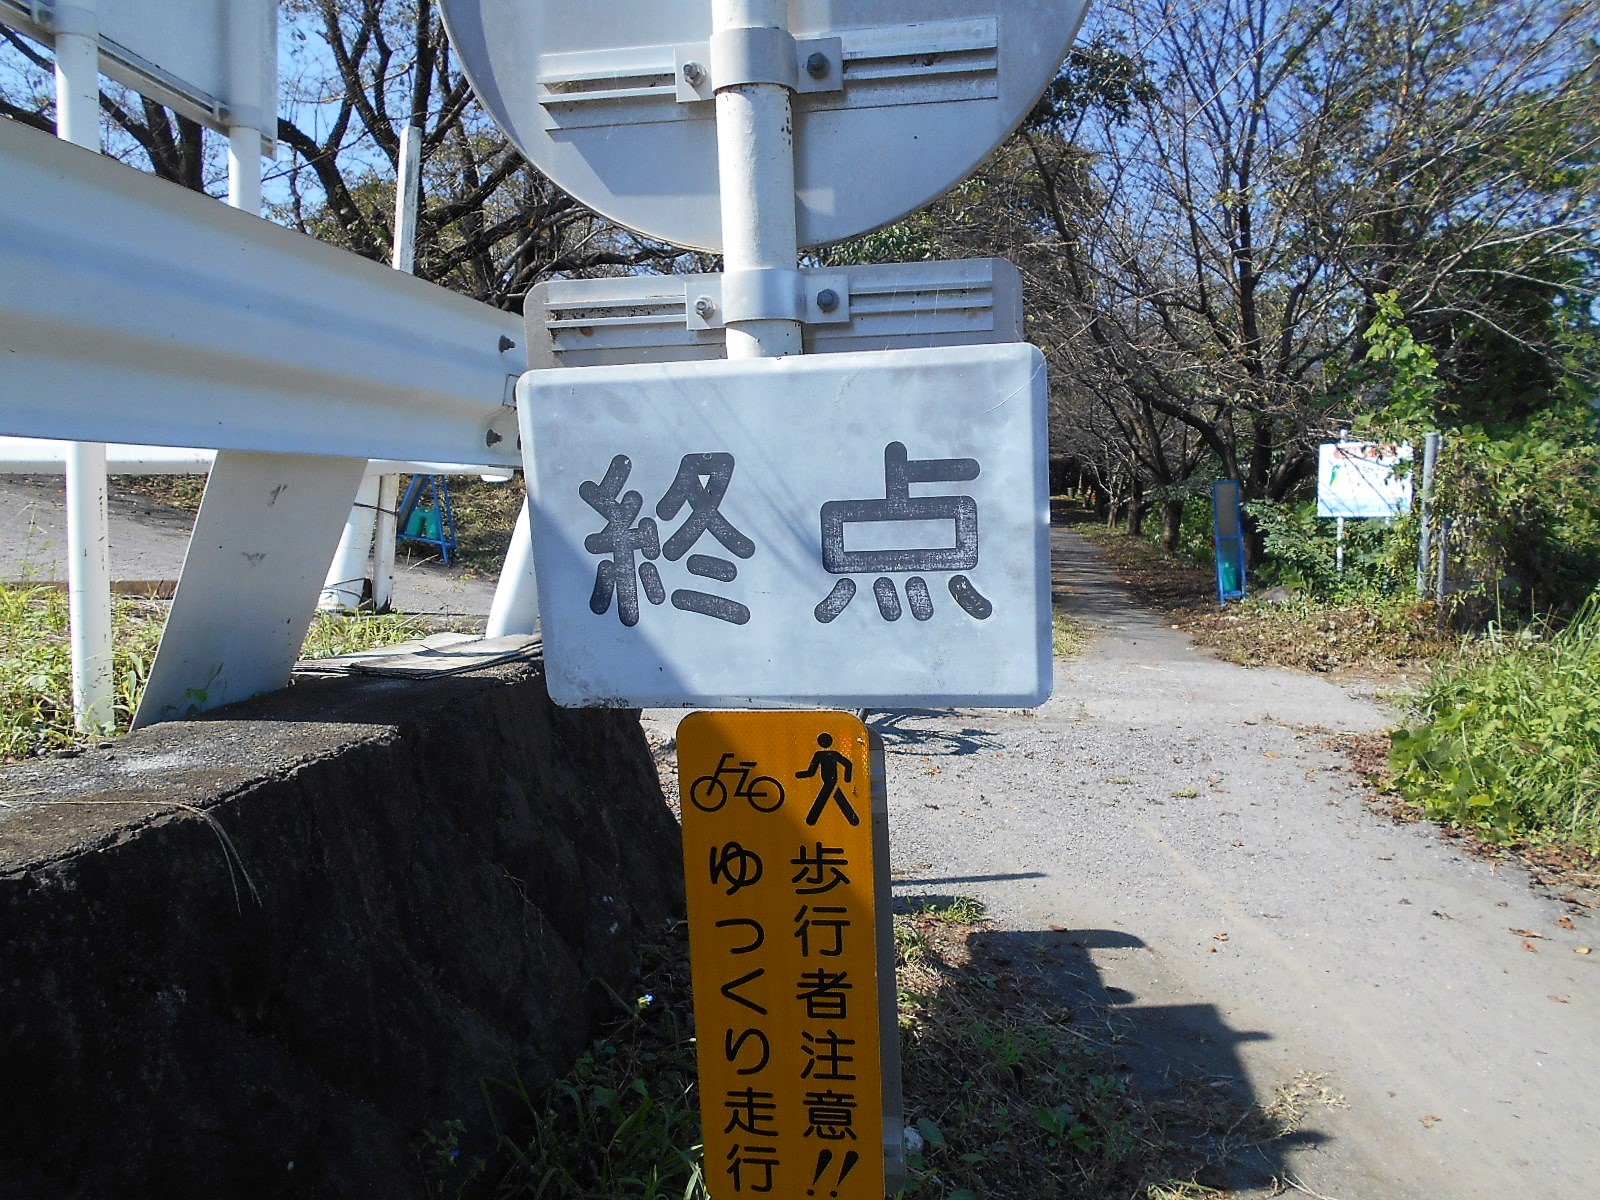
(896,100)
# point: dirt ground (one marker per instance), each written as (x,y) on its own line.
(1178,843)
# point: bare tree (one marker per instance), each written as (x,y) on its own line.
(1221,242)
(1214,192)
(490,225)
(356,74)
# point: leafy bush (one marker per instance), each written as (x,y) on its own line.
(1508,740)
(1302,552)
(1526,512)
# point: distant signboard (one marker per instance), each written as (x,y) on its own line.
(1363,479)
(849,530)
(213,60)
(784,944)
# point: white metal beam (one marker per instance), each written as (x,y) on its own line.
(134,311)
(88,548)
(260,549)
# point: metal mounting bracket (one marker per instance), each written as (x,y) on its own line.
(810,297)
(806,65)
(673,318)
(926,62)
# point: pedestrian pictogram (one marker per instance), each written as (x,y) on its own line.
(786,953)
(827,763)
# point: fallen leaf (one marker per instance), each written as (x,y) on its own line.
(1530,947)
(1527,933)
(1502,904)
(1058,929)
(1580,949)
(1211,949)
(1428,1120)
(1559,999)
(1219,937)
(1565,922)
(1270,754)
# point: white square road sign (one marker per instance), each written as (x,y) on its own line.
(844,530)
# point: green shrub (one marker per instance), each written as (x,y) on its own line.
(1526,513)
(1508,740)
(1302,552)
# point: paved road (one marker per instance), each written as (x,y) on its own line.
(148,541)
(1171,833)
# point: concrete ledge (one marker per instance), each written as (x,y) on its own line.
(255,954)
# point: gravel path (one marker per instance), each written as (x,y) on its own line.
(1171,833)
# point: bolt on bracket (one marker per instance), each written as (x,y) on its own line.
(740,56)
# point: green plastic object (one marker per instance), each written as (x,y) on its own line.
(1230,575)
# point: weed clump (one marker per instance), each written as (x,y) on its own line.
(622,1121)
(1008,1094)
(36,667)
(36,661)
(1506,741)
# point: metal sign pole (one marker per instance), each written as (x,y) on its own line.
(755,162)
(406,202)
(245,119)
(369,531)
(1430,457)
(754,67)
(88,539)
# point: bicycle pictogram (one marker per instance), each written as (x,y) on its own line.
(710,792)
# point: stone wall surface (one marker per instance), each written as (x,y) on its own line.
(258,953)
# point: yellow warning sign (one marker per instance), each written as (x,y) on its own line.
(783,943)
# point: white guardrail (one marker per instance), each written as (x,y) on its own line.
(134,311)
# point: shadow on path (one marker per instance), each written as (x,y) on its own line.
(1175,1068)
(930,733)
(1083,584)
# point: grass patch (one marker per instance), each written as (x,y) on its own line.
(1009,1095)
(36,667)
(622,1122)
(1069,636)
(333,634)
(36,661)
(1506,740)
